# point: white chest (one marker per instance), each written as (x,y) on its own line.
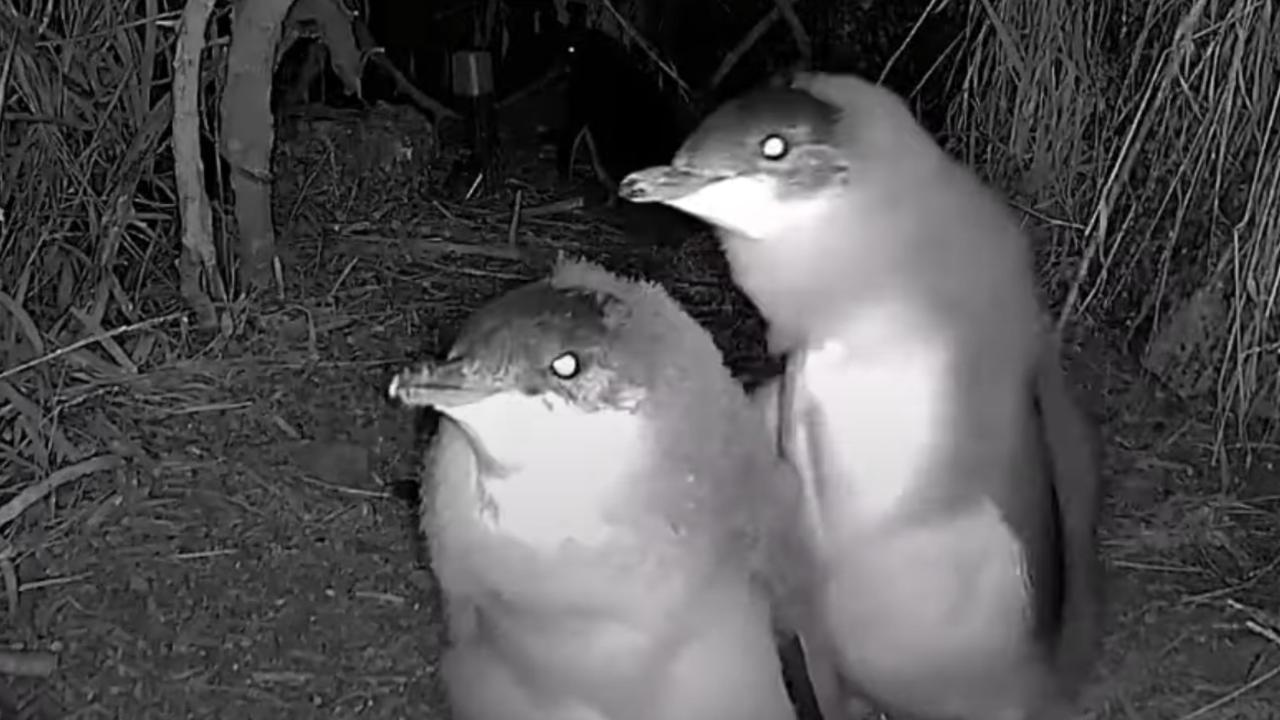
(872,411)
(545,475)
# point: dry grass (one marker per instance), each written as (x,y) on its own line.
(81,253)
(203,526)
(1147,132)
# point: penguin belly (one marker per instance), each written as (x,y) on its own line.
(483,687)
(936,576)
(584,635)
(728,667)
(713,660)
(932,621)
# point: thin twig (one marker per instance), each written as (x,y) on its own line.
(422,100)
(803,43)
(96,337)
(744,45)
(1231,696)
(439,244)
(515,218)
(663,65)
(31,495)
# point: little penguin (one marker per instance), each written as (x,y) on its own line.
(603,510)
(951,482)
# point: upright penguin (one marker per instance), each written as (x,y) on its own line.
(604,511)
(951,482)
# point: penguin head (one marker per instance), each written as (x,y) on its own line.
(781,157)
(536,377)
(752,165)
(813,181)
(583,378)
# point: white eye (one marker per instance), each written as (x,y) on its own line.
(565,366)
(773,147)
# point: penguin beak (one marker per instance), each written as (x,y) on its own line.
(473,398)
(746,203)
(446,385)
(665,184)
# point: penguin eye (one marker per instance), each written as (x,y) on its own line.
(773,147)
(566,365)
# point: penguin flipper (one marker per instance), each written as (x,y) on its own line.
(1074,464)
(795,443)
(812,674)
(797,679)
(830,697)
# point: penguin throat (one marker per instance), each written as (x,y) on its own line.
(558,475)
(797,289)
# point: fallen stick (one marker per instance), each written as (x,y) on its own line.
(27,664)
(553,208)
(439,244)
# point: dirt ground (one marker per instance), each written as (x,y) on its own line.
(254,556)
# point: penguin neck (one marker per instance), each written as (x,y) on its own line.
(532,487)
(932,239)
(792,280)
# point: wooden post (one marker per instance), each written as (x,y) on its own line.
(473,84)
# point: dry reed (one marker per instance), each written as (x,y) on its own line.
(1146,133)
